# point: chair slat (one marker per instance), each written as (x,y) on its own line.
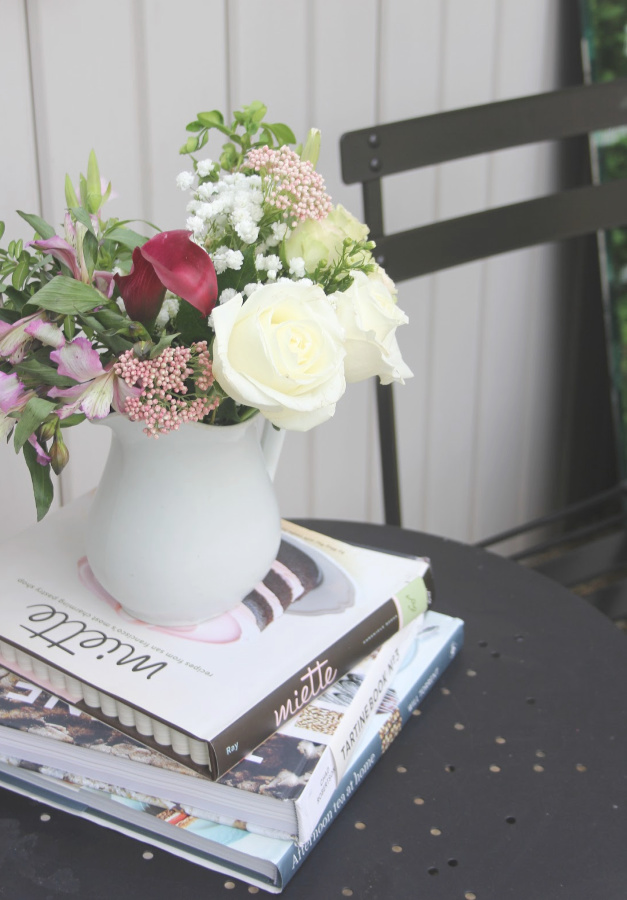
(451,242)
(371,153)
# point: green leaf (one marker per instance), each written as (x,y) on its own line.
(10,316)
(1,229)
(164,342)
(266,138)
(81,216)
(17,298)
(19,274)
(94,189)
(127,237)
(46,231)
(256,110)
(70,194)
(69,327)
(114,342)
(191,144)
(191,324)
(42,482)
(212,119)
(194,126)
(36,410)
(90,252)
(33,370)
(82,183)
(282,133)
(67,296)
(74,419)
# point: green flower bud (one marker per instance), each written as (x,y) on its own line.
(59,454)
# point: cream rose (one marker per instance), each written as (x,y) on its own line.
(369,315)
(281,351)
(316,239)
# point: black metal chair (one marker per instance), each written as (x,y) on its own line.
(587,547)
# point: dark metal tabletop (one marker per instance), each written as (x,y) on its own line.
(510,785)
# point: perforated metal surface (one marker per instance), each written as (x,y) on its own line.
(511,783)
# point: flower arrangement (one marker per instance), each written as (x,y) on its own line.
(269,301)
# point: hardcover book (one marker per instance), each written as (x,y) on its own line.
(258,859)
(281,788)
(206,695)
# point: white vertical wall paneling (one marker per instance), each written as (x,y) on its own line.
(84,102)
(411,61)
(179,82)
(470,34)
(269,52)
(465,475)
(343,91)
(19,189)
(518,343)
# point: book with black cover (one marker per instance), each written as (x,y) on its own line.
(209,694)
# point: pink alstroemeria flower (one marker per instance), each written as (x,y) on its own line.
(13,398)
(15,339)
(169,261)
(98,390)
(62,250)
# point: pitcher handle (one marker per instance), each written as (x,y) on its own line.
(271,444)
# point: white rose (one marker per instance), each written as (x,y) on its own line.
(281,351)
(369,315)
(316,239)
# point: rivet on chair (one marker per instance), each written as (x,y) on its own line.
(375,164)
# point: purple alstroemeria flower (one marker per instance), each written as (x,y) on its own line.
(169,261)
(99,388)
(13,394)
(15,339)
(13,398)
(62,250)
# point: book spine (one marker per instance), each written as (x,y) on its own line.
(251,729)
(364,761)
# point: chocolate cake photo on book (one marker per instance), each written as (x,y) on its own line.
(237,851)
(206,699)
(294,574)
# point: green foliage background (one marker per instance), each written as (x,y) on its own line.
(605,34)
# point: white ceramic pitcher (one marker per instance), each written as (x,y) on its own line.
(182,527)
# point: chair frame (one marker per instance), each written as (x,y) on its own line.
(369,154)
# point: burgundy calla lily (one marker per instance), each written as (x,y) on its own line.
(169,261)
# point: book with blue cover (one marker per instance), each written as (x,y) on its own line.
(258,859)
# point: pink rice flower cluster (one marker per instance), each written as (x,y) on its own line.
(295,186)
(165,402)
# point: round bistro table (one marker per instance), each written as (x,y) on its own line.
(509,785)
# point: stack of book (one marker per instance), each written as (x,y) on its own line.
(234,743)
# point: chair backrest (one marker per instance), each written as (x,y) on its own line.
(369,154)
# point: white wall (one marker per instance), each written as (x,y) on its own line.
(124,78)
